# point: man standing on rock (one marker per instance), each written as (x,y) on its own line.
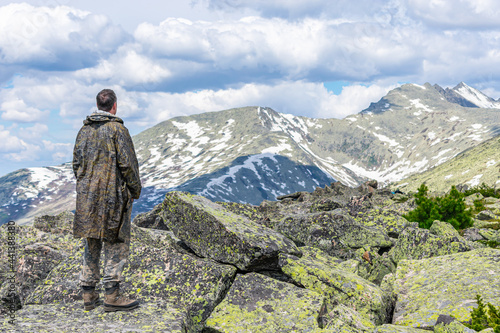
(107,181)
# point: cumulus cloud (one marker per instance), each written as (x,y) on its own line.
(126,68)
(261,49)
(55,38)
(8,142)
(16,110)
(460,14)
(298,8)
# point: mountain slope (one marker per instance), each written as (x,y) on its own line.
(255,153)
(471,167)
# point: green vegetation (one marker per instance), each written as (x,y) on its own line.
(485,190)
(485,316)
(449,208)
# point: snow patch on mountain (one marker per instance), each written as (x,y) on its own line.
(476,97)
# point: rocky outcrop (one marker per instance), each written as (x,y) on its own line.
(334,260)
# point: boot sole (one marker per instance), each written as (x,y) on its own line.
(112,308)
(93,305)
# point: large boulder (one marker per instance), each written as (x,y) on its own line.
(257,303)
(445,285)
(36,253)
(159,275)
(322,273)
(334,232)
(416,243)
(386,220)
(214,232)
(55,224)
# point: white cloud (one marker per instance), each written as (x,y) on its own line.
(459,14)
(125,68)
(8,142)
(16,110)
(263,49)
(64,37)
(34,132)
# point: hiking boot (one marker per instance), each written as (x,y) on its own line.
(113,301)
(91,299)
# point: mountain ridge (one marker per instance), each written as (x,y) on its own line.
(224,154)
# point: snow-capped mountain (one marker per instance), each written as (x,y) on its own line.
(255,153)
(476,97)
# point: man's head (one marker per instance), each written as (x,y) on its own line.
(106,100)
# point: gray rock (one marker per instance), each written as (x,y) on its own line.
(158,275)
(472,234)
(334,232)
(420,243)
(486,215)
(214,232)
(388,328)
(151,219)
(445,285)
(257,303)
(320,272)
(149,317)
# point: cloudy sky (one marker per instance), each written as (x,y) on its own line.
(166,58)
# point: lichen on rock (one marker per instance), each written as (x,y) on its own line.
(214,232)
(322,273)
(445,285)
(257,303)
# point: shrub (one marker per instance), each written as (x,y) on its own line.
(450,208)
(485,316)
(484,189)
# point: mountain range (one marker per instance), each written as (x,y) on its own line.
(252,154)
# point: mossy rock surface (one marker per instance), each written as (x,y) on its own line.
(386,220)
(389,328)
(453,327)
(151,317)
(416,243)
(445,285)
(322,273)
(212,231)
(37,253)
(444,229)
(256,303)
(157,274)
(334,232)
(344,319)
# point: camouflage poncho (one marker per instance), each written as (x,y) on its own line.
(107,178)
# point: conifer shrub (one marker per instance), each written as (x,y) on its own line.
(485,190)
(449,208)
(485,316)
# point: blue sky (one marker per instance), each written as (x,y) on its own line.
(315,58)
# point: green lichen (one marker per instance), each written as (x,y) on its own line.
(319,272)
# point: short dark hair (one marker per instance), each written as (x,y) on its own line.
(106,98)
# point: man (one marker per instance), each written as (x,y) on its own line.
(107,181)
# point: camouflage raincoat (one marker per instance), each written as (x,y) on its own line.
(107,178)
